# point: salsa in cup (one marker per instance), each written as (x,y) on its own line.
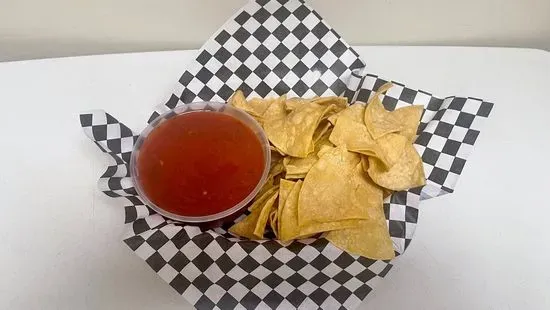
(200,163)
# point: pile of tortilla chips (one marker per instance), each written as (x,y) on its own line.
(332,165)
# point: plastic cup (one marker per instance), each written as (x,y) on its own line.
(229,214)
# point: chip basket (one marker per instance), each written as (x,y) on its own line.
(270,48)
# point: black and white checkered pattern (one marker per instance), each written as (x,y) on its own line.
(213,272)
(117,140)
(268,48)
(272,48)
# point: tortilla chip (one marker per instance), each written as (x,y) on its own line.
(263,217)
(380,122)
(365,163)
(275,150)
(259,105)
(275,110)
(321,131)
(248,226)
(292,133)
(295,176)
(315,228)
(288,218)
(277,168)
(340,102)
(292,103)
(277,179)
(260,200)
(356,137)
(238,100)
(323,141)
(384,88)
(273,221)
(407,172)
(354,112)
(393,145)
(324,148)
(245,228)
(335,190)
(269,184)
(275,156)
(410,119)
(364,167)
(370,238)
(285,186)
(284,190)
(299,167)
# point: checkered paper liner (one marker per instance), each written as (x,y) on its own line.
(270,48)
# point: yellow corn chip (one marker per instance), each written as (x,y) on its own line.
(355,136)
(299,167)
(288,218)
(365,163)
(245,228)
(248,226)
(354,112)
(321,131)
(275,110)
(379,121)
(324,148)
(273,222)
(295,176)
(256,107)
(317,227)
(276,157)
(292,103)
(275,150)
(276,169)
(284,190)
(292,133)
(263,217)
(392,146)
(370,238)
(384,88)
(260,200)
(238,100)
(407,172)
(364,168)
(269,184)
(340,102)
(259,105)
(334,190)
(410,119)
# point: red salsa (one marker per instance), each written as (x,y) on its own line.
(200,163)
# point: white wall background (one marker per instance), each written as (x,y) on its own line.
(51,28)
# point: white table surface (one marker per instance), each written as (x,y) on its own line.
(484,247)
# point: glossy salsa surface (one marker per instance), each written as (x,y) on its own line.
(200,163)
